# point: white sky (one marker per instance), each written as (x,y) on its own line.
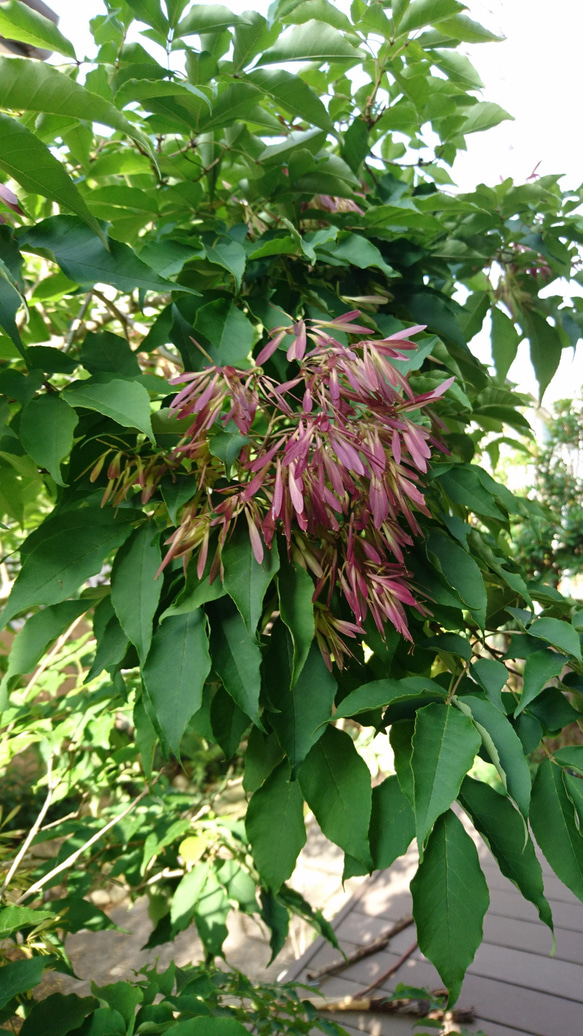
(535,74)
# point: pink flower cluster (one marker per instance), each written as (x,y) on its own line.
(331,458)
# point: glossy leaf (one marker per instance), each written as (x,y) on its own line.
(245,579)
(380,693)
(62,553)
(38,87)
(236,659)
(35,168)
(459,569)
(445,744)
(228,331)
(87,260)
(23,23)
(303,708)
(135,591)
(19,976)
(175,671)
(450,898)
(559,634)
(335,782)
(539,668)
(275,826)
(126,402)
(503,746)
(555,828)
(294,95)
(47,428)
(492,676)
(503,828)
(313,41)
(392,823)
(296,590)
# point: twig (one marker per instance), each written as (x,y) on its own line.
(387,974)
(377,944)
(53,652)
(79,852)
(34,829)
(76,323)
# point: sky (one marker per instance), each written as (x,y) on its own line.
(535,74)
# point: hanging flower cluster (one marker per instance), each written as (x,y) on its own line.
(331,459)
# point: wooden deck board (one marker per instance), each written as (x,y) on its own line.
(514,985)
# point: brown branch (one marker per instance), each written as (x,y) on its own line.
(380,943)
(390,971)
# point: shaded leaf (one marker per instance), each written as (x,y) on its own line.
(126,402)
(504,831)
(335,782)
(539,668)
(303,708)
(445,744)
(558,633)
(23,23)
(450,898)
(47,427)
(296,590)
(63,552)
(275,826)
(503,746)
(135,591)
(555,829)
(236,658)
(313,41)
(245,579)
(392,823)
(175,671)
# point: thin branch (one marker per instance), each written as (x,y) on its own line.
(52,785)
(380,943)
(77,322)
(53,652)
(38,885)
(387,974)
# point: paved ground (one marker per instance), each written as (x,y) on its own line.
(514,985)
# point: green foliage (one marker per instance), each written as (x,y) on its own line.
(249,258)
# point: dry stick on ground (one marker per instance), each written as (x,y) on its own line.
(377,944)
(387,974)
(52,785)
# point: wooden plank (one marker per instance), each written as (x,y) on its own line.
(534,937)
(511,904)
(528,970)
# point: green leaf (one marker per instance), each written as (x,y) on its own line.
(186,897)
(450,898)
(175,671)
(505,340)
(462,28)
(109,353)
(210,916)
(135,591)
(231,256)
(571,756)
(492,676)
(459,570)
(19,977)
(262,756)
(392,823)
(86,260)
(205,18)
(335,782)
(380,693)
(11,299)
(63,552)
(47,427)
(458,68)
(22,23)
(126,402)
(275,826)
(245,579)
(150,12)
(464,486)
(293,94)
(39,632)
(483,116)
(504,831)
(236,658)
(296,590)
(427,12)
(227,446)
(555,829)
(546,346)
(503,746)
(445,744)
(112,643)
(539,668)
(58,1014)
(302,709)
(32,165)
(251,37)
(38,87)
(559,634)
(207,1027)
(18,918)
(356,250)
(228,331)
(121,997)
(228,722)
(313,41)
